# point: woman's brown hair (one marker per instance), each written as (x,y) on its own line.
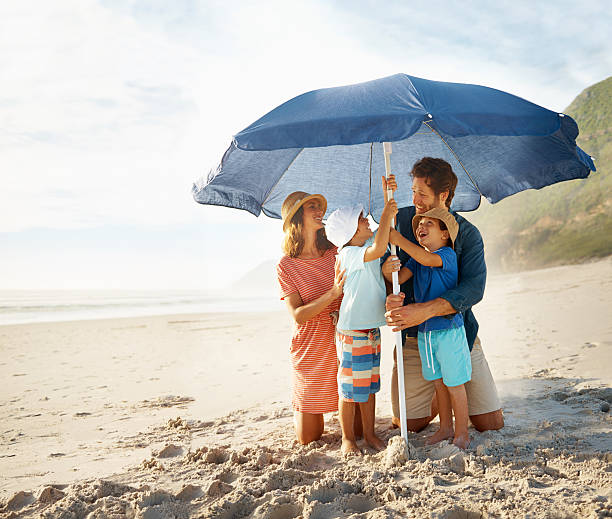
(293,242)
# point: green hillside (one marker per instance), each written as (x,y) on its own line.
(565,223)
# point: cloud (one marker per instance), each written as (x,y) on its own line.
(545,51)
(110,109)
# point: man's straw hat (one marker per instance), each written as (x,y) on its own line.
(296,200)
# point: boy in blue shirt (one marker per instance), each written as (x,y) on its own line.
(443,348)
(362,312)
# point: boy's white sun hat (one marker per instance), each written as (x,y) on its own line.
(342,224)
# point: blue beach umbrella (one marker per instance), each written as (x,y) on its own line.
(329,141)
(338,142)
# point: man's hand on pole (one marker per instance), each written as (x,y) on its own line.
(401,317)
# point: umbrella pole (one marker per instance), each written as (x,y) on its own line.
(398,335)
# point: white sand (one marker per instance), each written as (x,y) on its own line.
(90,429)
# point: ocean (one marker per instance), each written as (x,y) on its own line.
(30,306)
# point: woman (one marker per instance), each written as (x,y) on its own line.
(311,287)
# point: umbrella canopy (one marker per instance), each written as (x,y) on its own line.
(329,141)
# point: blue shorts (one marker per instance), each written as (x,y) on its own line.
(445,355)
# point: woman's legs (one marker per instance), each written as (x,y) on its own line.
(308,427)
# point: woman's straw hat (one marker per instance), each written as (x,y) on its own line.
(296,200)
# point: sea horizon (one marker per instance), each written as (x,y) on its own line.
(22,306)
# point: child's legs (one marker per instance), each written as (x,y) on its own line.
(367,416)
(344,350)
(453,354)
(354,378)
(364,379)
(455,363)
(358,423)
(444,405)
(346,413)
(458,399)
(368,412)
(347,421)
(358,374)
(446,419)
(430,368)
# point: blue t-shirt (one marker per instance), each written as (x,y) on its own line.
(363,303)
(431,282)
(472,271)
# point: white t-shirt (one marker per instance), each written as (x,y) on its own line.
(363,304)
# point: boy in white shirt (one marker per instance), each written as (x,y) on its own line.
(361,314)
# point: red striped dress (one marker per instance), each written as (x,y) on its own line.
(313,350)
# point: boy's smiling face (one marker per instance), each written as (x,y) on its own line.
(430,235)
(363,232)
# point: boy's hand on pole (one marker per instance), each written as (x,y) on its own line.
(389,183)
(392,264)
(389,211)
(394,238)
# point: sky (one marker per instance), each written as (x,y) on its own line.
(110,110)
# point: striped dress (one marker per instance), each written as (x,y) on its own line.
(313,350)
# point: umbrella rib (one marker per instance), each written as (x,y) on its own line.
(280,178)
(455,155)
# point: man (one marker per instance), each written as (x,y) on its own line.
(433,185)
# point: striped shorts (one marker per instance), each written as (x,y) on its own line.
(359,369)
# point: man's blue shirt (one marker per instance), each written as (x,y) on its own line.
(472,271)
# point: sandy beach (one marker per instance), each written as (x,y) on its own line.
(189,416)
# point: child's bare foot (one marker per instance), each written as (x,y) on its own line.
(440,435)
(349,447)
(375,442)
(462,440)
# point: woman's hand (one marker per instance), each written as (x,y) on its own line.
(391,264)
(339,279)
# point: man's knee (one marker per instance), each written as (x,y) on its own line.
(492,421)
(414,424)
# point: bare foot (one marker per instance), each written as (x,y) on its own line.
(349,447)
(375,442)
(462,440)
(439,435)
